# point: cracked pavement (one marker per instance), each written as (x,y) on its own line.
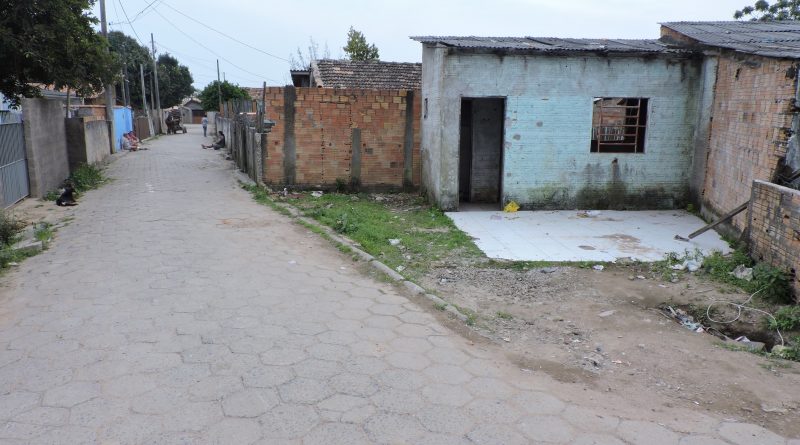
(175,310)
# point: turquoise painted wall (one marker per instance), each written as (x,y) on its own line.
(547,160)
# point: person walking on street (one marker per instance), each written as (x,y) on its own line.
(205,125)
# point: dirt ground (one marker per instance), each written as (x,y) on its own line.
(604,329)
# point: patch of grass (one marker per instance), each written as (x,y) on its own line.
(44,232)
(504,315)
(52,195)
(8,256)
(440,306)
(10,228)
(87,177)
(786,319)
(261,196)
(426,235)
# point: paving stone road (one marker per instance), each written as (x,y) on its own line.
(175,310)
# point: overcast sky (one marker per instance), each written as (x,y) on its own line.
(279,28)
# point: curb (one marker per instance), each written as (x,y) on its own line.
(411,286)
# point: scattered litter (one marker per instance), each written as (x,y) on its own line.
(598,267)
(678,267)
(285,192)
(743,272)
(749,344)
(342,268)
(13,263)
(548,269)
(292,262)
(684,319)
(394,241)
(692,265)
(400,268)
(316,194)
(606,313)
(641,277)
(588,213)
(511,207)
(506,339)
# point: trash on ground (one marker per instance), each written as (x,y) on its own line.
(743,272)
(394,241)
(598,267)
(292,262)
(749,344)
(606,313)
(588,213)
(693,265)
(400,268)
(316,194)
(511,207)
(686,320)
(506,339)
(548,269)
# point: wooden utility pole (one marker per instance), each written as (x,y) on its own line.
(124,94)
(144,101)
(109,93)
(155,76)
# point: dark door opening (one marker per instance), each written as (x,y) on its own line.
(481,150)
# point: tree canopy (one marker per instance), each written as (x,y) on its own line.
(230,91)
(357,47)
(130,55)
(763,10)
(174,81)
(51,42)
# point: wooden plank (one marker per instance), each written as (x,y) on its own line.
(726,217)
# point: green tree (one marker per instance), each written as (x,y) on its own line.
(131,55)
(357,47)
(51,42)
(230,91)
(765,11)
(174,81)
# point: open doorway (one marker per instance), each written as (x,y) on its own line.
(481,150)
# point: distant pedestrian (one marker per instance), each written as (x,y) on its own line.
(205,126)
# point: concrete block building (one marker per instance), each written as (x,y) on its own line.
(600,123)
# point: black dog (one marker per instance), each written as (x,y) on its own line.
(68,197)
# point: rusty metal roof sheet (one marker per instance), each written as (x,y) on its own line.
(772,39)
(549,44)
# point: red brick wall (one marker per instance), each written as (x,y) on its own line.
(751,116)
(324,119)
(775,227)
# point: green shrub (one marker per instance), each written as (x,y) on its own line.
(786,319)
(10,228)
(771,283)
(87,177)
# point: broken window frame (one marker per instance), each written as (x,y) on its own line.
(619,137)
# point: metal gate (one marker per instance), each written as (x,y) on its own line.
(13,164)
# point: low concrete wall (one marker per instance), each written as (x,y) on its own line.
(774,220)
(87,141)
(45,144)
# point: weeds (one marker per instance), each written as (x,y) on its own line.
(44,232)
(504,315)
(786,319)
(87,177)
(10,228)
(52,195)
(440,306)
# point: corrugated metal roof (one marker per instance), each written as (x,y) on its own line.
(771,39)
(548,44)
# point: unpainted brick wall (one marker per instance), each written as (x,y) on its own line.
(324,119)
(749,132)
(774,217)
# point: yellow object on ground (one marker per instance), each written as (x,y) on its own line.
(511,207)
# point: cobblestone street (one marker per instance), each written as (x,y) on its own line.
(175,310)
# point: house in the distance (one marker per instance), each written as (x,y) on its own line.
(695,116)
(348,74)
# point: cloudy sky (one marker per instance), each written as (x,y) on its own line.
(262,34)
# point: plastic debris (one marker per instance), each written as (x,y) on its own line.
(588,213)
(316,194)
(692,265)
(598,267)
(511,207)
(506,339)
(606,313)
(400,268)
(394,241)
(743,272)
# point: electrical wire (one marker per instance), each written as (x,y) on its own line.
(742,307)
(226,35)
(130,24)
(209,49)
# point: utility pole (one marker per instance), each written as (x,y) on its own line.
(109,93)
(124,81)
(155,71)
(219,88)
(144,101)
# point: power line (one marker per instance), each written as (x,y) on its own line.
(226,35)
(210,50)
(130,24)
(145,9)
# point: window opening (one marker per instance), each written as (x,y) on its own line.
(618,125)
